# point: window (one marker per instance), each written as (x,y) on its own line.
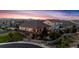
(29,29)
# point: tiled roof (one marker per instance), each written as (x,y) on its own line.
(33,24)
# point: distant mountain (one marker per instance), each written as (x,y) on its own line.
(7,19)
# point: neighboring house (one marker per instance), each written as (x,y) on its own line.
(54,24)
(48,23)
(7,23)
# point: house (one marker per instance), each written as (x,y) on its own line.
(33,26)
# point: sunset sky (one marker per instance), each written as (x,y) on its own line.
(41,14)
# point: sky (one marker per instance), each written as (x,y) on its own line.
(41,14)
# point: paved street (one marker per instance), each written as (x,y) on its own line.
(22,44)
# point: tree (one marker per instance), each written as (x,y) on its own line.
(61,31)
(10,35)
(43,33)
(67,30)
(17,26)
(54,35)
(74,29)
(65,41)
(0,26)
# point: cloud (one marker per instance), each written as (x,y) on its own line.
(40,14)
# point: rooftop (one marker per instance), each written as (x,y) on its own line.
(35,24)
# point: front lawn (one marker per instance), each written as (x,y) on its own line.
(10,37)
(4,38)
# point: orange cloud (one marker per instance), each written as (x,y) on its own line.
(25,16)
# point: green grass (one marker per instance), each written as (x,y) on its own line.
(17,36)
(4,38)
(4,34)
(10,28)
(8,37)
